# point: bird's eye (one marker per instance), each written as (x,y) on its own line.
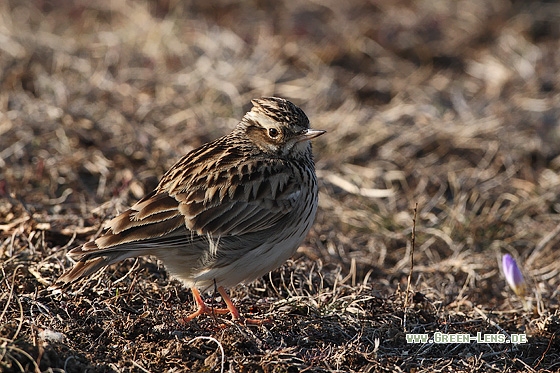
(272,132)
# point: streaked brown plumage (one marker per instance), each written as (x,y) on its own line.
(227,212)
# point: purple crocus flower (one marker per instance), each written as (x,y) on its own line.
(513,275)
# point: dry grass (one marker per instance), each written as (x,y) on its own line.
(449,105)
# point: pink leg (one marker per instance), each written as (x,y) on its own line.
(203,308)
(234,312)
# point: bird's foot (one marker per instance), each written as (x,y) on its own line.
(203,308)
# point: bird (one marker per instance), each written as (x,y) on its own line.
(226,213)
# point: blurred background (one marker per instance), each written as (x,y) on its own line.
(450,106)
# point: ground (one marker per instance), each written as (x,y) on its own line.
(442,155)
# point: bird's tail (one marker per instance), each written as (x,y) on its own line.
(90,260)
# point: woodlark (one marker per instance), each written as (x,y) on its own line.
(228,212)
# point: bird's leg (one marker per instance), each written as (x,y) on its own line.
(234,312)
(203,308)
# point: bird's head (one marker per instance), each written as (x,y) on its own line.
(279,127)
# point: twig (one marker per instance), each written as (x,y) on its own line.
(529,369)
(545,351)
(9,348)
(412,244)
(542,244)
(219,345)
(140,367)
(10,299)
(492,322)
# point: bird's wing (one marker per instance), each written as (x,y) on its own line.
(213,195)
(127,232)
(233,195)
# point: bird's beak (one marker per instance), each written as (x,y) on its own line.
(310,134)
